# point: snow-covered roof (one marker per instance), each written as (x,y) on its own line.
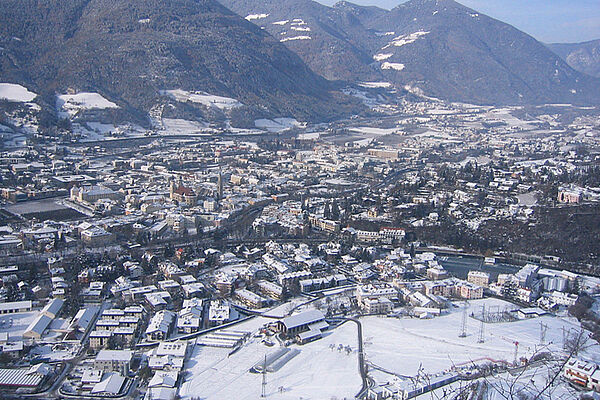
(304,318)
(53,307)
(16,305)
(312,333)
(38,325)
(164,379)
(115,355)
(111,384)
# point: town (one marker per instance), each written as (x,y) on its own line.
(442,249)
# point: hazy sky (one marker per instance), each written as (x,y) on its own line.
(546,20)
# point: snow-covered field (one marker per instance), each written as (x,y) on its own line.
(382,56)
(404,345)
(177,126)
(301,37)
(375,85)
(253,17)
(277,124)
(394,66)
(208,100)
(400,346)
(70,104)
(373,132)
(309,136)
(406,39)
(316,373)
(15,93)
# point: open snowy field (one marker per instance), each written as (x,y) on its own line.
(71,104)
(206,99)
(15,93)
(316,373)
(404,345)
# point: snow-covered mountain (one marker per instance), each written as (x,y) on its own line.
(583,57)
(438,47)
(137,54)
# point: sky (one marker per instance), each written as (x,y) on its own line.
(549,21)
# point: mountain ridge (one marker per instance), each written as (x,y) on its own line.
(583,57)
(458,54)
(130,50)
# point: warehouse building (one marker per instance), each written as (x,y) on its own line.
(306,321)
(15,307)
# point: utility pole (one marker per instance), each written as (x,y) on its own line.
(264,378)
(481,339)
(463,327)
(543,330)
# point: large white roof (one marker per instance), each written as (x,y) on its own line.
(303,318)
(111,384)
(15,305)
(115,355)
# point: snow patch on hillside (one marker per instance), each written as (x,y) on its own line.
(71,104)
(253,17)
(375,85)
(402,40)
(208,100)
(277,124)
(296,38)
(301,28)
(99,127)
(382,56)
(281,22)
(176,126)
(394,66)
(15,93)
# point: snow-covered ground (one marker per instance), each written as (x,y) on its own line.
(361,94)
(309,136)
(316,373)
(404,345)
(15,93)
(527,199)
(375,85)
(277,124)
(177,126)
(373,132)
(208,100)
(70,104)
(301,37)
(406,39)
(394,66)
(253,17)
(382,56)
(400,346)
